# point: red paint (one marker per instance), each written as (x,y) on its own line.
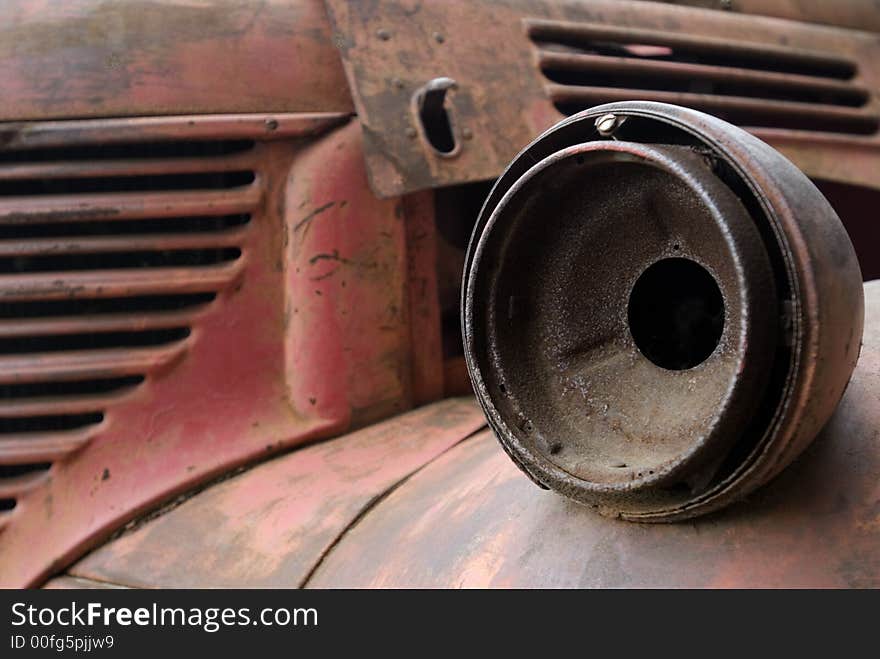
(270,526)
(92,58)
(239,387)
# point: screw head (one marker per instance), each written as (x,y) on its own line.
(606,124)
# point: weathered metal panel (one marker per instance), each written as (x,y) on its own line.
(855,14)
(346,298)
(15,135)
(94,58)
(501,100)
(470,519)
(270,526)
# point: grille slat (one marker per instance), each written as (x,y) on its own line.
(751,84)
(31,448)
(61,405)
(111,322)
(123,244)
(128,206)
(116,283)
(86,364)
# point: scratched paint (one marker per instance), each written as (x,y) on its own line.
(92,58)
(471,519)
(271,526)
(346,253)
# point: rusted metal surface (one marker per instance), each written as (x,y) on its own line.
(854,14)
(261,126)
(840,158)
(282,354)
(326,319)
(680,331)
(270,526)
(346,306)
(520,66)
(92,58)
(471,520)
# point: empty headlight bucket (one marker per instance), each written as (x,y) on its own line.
(659,311)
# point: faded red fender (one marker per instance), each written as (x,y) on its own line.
(471,519)
(271,526)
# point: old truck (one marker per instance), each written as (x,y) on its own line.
(233,238)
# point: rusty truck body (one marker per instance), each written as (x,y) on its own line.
(233,236)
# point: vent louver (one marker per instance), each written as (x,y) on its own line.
(108,253)
(754,85)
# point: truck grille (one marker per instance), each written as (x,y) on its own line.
(754,85)
(108,254)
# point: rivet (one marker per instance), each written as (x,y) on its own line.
(439,38)
(411,132)
(383,34)
(397,83)
(466,133)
